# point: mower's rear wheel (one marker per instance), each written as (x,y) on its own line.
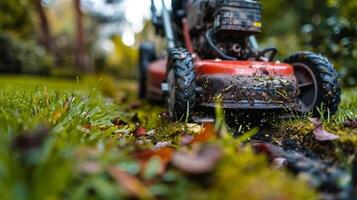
(319,85)
(182,84)
(146,55)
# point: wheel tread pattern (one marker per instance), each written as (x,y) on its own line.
(180,61)
(329,84)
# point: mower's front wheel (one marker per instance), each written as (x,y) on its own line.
(319,85)
(181,81)
(146,55)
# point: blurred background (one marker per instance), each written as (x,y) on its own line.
(67,38)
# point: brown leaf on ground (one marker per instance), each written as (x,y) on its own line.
(87,126)
(207,134)
(200,162)
(135,119)
(133,106)
(31,139)
(349,123)
(132,185)
(118,122)
(59,113)
(165,154)
(320,133)
(139,132)
(272,151)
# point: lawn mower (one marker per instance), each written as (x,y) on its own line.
(213,56)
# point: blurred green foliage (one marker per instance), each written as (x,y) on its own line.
(20,52)
(16,18)
(21,56)
(324,26)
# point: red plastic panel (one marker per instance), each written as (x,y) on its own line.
(243,68)
(156,75)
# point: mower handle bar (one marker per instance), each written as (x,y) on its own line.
(165,21)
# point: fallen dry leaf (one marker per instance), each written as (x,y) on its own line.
(87,126)
(134,105)
(201,162)
(319,132)
(59,113)
(132,185)
(165,154)
(207,134)
(118,122)
(135,119)
(272,151)
(139,132)
(31,139)
(349,123)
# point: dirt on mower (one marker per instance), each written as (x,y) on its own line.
(261,92)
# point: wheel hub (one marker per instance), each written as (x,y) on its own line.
(307,85)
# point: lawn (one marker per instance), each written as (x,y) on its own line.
(90,138)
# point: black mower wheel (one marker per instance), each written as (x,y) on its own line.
(319,84)
(146,55)
(182,84)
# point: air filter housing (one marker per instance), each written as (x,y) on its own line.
(237,17)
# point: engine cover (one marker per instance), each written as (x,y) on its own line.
(225,15)
(237,17)
(225,24)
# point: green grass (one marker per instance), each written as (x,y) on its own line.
(57,141)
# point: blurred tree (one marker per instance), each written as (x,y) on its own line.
(99,16)
(16,18)
(20,52)
(46,38)
(81,54)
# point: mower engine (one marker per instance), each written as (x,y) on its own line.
(225,26)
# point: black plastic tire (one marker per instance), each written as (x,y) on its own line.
(325,78)
(146,55)
(182,84)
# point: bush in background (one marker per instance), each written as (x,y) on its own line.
(326,27)
(19,56)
